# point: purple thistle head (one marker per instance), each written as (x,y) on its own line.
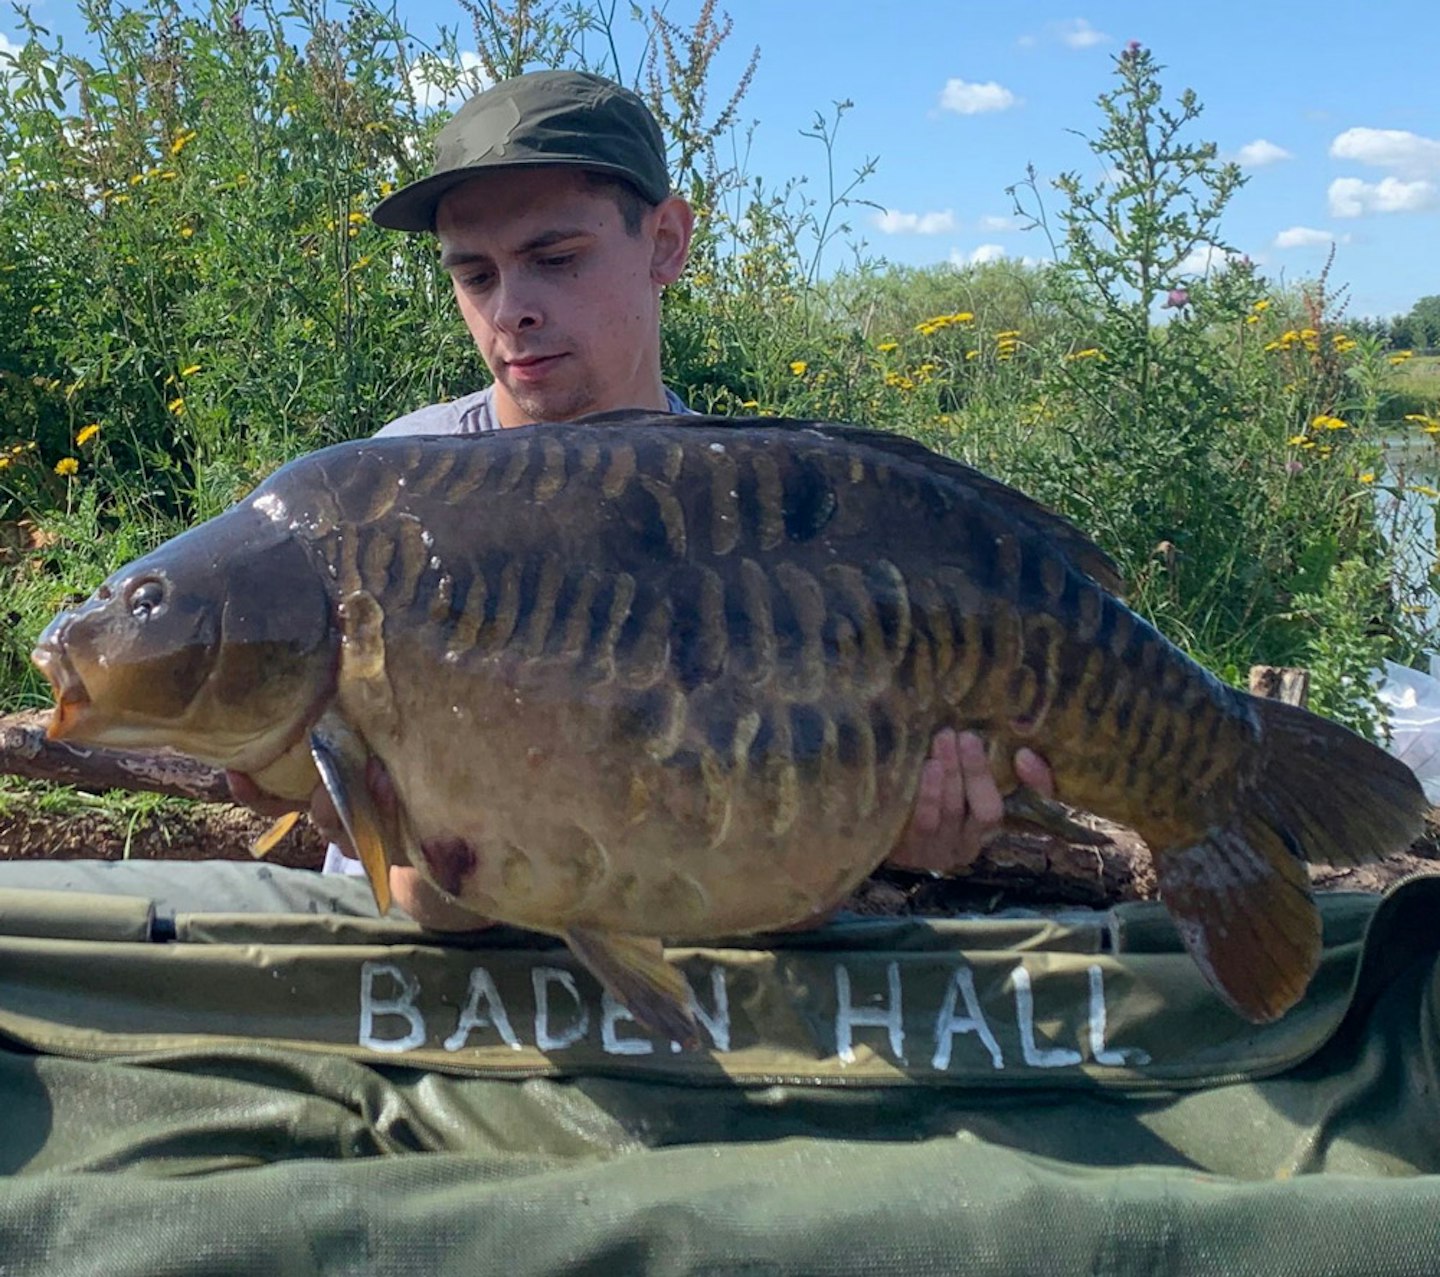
(1176,298)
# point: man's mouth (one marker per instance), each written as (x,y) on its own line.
(528,366)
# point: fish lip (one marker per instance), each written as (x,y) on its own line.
(72,697)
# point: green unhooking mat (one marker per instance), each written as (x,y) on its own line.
(238,1069)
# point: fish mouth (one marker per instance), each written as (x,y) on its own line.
(72,698)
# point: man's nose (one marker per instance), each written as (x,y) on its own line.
(516,307)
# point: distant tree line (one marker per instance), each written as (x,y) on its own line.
(1419,330)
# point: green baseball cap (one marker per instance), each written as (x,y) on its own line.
(544,118)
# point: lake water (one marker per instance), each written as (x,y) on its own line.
(1409,516)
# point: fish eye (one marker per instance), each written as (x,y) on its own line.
(145,598)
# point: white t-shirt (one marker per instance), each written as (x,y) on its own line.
(469,415)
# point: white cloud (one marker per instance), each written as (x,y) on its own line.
(1350,197)
(998,224)
(7,50)
(437,83)
(1204,258)
(965,98)
(1259,153)
(977,256)
(894,222)
(1307,237)
(1079,34)
(1409,154)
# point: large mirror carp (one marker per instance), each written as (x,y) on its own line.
(646,678)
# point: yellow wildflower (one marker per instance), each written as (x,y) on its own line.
(386,187)
(1415,416)
(186,232)
(66,466)
(885,347)
(962,317)
(1008,335)
(1296,441)
(1262,304)
(87,434)
(1368,477)
(1252,319)
(190,371)
(1091,353)
(971,354)
(798,367)
(4,461)
(356,219)
(169,175)
(181,142)
(177,405)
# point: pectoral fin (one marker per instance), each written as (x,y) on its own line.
(642,979)
(266,843)
(341,758)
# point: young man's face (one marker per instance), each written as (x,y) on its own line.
(563,302)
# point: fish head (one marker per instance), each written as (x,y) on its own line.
(219,644)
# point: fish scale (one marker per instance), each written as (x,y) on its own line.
(645,678)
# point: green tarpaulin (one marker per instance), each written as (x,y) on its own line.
(231,1068)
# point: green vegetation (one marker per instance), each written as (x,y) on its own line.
(191,293)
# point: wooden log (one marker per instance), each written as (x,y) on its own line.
(1281,683)
(25,751)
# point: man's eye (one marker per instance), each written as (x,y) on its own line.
(562,259)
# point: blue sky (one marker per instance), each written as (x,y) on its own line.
(1331,110)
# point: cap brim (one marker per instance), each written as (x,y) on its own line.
(412,208)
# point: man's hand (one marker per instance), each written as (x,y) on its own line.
(958,807)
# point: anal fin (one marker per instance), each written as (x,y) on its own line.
(1246,915)
(642,979)
(1027,810)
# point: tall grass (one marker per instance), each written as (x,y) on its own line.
(191,293)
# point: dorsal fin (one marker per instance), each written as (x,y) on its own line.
(1060,531)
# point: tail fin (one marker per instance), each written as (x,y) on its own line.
(1335,797)
(1240,896)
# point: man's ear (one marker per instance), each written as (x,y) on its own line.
(672,225)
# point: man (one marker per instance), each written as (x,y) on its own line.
(551,201)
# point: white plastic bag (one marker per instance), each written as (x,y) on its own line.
(1413,699)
